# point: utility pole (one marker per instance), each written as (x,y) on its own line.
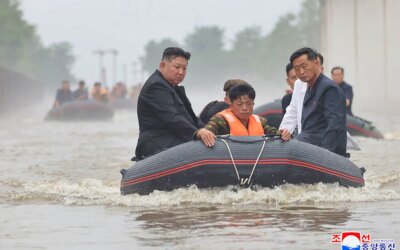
(124,71)
(102,70)
(114,54)
(134,73)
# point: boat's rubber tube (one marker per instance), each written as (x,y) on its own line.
(122,104)
(280,162)
(80,110)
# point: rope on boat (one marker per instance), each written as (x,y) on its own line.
(241,180)
(258,158)
(233,161)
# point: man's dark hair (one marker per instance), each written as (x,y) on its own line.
(289,67)
(174,52)
(81,82)
(97,84)
(339,68)
(321,58)
(311,54)
(241,90)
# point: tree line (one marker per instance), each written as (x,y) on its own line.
(252,54)
(22,51)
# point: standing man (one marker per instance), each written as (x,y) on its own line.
(63,95)
(323,118)
(292,118)
(290,80)
(165,114)
(338,76)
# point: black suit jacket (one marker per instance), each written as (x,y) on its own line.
(286,102)
(166,118)
(348,93)
(323,118)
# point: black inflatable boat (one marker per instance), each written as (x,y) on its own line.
(80,110)
(356,126)
(122,104)
(248,161)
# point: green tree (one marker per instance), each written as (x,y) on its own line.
(291,32)
(153,52)
(309,24)
(208,55)
(22,50)
(277,47)
(253,55)
(59,62)
(242,59)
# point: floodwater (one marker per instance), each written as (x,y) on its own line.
(59,189)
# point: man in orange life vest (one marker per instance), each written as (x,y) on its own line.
(238,119)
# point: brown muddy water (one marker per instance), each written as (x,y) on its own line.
(59,189)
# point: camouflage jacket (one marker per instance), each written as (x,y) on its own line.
(219,126)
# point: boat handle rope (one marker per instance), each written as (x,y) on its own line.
(241,180)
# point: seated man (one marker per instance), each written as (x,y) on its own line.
(216,106)
(165,114)
(118,92)
(238,120)
(81,93)
(63,95)
(99,93)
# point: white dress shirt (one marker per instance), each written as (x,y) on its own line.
(292,118)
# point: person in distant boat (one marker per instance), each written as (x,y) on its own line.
(63,95)
(118,92)
(135,91)
(238,119)
(217,106)
(81,93)
(99,93)
(323,117)
(165,114)
(290,80)
(338,76)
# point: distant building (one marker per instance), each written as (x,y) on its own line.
(363,36)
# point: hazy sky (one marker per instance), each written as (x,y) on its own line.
(127,25)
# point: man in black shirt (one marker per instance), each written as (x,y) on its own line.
(291,79)
(63,95)
(338,76)
(81,93)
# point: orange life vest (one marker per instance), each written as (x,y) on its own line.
(238,129)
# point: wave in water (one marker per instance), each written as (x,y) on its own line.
(96,192)
(392,136)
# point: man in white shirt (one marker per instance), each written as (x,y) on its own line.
(292,118)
